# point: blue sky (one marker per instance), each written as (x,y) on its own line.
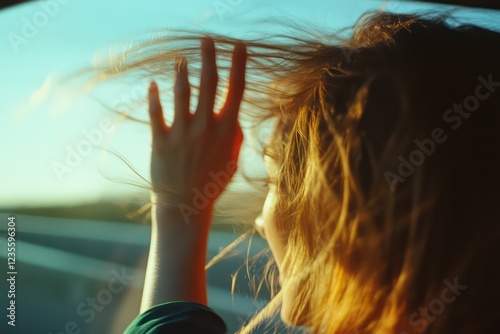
(45,40)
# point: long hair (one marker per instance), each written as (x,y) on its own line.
(388,179)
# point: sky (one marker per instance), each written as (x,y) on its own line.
(46,126)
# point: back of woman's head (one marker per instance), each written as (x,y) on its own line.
(388,182)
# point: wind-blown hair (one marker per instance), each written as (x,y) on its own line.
(387,188)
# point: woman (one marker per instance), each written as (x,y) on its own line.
(383,183)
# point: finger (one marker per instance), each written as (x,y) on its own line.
(208,82)
(229,111)
(182,93)
(158,126)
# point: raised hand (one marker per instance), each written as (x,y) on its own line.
(197,153)
(185,158)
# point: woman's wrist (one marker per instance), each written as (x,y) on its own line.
(174,214)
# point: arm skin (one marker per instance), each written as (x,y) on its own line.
(183,158)
(177,255)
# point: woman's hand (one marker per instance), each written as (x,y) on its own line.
(198,153)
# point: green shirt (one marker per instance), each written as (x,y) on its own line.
(178,317)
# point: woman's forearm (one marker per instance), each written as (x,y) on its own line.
(177,255)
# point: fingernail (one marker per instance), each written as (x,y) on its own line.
(180,63)
(205,42)
(153,86)
(207,45)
